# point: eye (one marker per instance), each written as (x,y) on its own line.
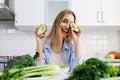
(65,21)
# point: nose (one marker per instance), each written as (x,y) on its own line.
(67,25)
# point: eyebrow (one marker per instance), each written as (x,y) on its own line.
(67,19)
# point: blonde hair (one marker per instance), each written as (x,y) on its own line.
(55,32)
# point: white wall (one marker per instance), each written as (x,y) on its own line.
(15,42)
(97,43)
(94,43)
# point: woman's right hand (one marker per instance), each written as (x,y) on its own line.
(39,40)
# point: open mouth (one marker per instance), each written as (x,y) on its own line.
(64,30)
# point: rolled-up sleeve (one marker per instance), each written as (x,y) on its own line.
(74,61)
(41,62)
(77,61)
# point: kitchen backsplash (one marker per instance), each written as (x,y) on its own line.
(94,43)
(99,43)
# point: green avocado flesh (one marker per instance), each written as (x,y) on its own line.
(74,27)
(41,29)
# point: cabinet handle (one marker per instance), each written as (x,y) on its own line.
(16,21)
(102,17)
(98,16)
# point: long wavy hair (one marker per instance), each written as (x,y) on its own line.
(55,33)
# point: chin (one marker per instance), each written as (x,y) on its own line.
(63,36)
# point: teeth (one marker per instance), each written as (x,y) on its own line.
(65,30)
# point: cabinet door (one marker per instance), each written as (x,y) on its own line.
(87,12)
(29,12)
(111,12)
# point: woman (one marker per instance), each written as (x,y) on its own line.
(61,46)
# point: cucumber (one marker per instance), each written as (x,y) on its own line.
(74,27)
(41,29)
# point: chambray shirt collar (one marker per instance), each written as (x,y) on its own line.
(66,45)
(47,44)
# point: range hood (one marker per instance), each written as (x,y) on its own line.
(5,13)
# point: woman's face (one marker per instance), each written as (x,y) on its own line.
(65,25)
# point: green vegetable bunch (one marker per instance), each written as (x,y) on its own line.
(113,70)
(21,73)
(92,69)
(21,61)
(118,68)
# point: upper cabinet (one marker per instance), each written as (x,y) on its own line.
(86,11)
(53,7)
(97,12)
(29,12)
(111,12)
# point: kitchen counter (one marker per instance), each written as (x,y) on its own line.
(107,60)
(61,76)
(111,60)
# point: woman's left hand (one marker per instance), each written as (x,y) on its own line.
(76,35)
(76,39)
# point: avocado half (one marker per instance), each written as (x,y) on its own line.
(41,29)
(74,27)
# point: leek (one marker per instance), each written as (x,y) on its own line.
(19,74)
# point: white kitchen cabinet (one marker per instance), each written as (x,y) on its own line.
(53,7)
(111,12)
(29,12)
(97,12)
(86,11)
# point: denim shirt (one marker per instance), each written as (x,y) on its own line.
(67,55)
